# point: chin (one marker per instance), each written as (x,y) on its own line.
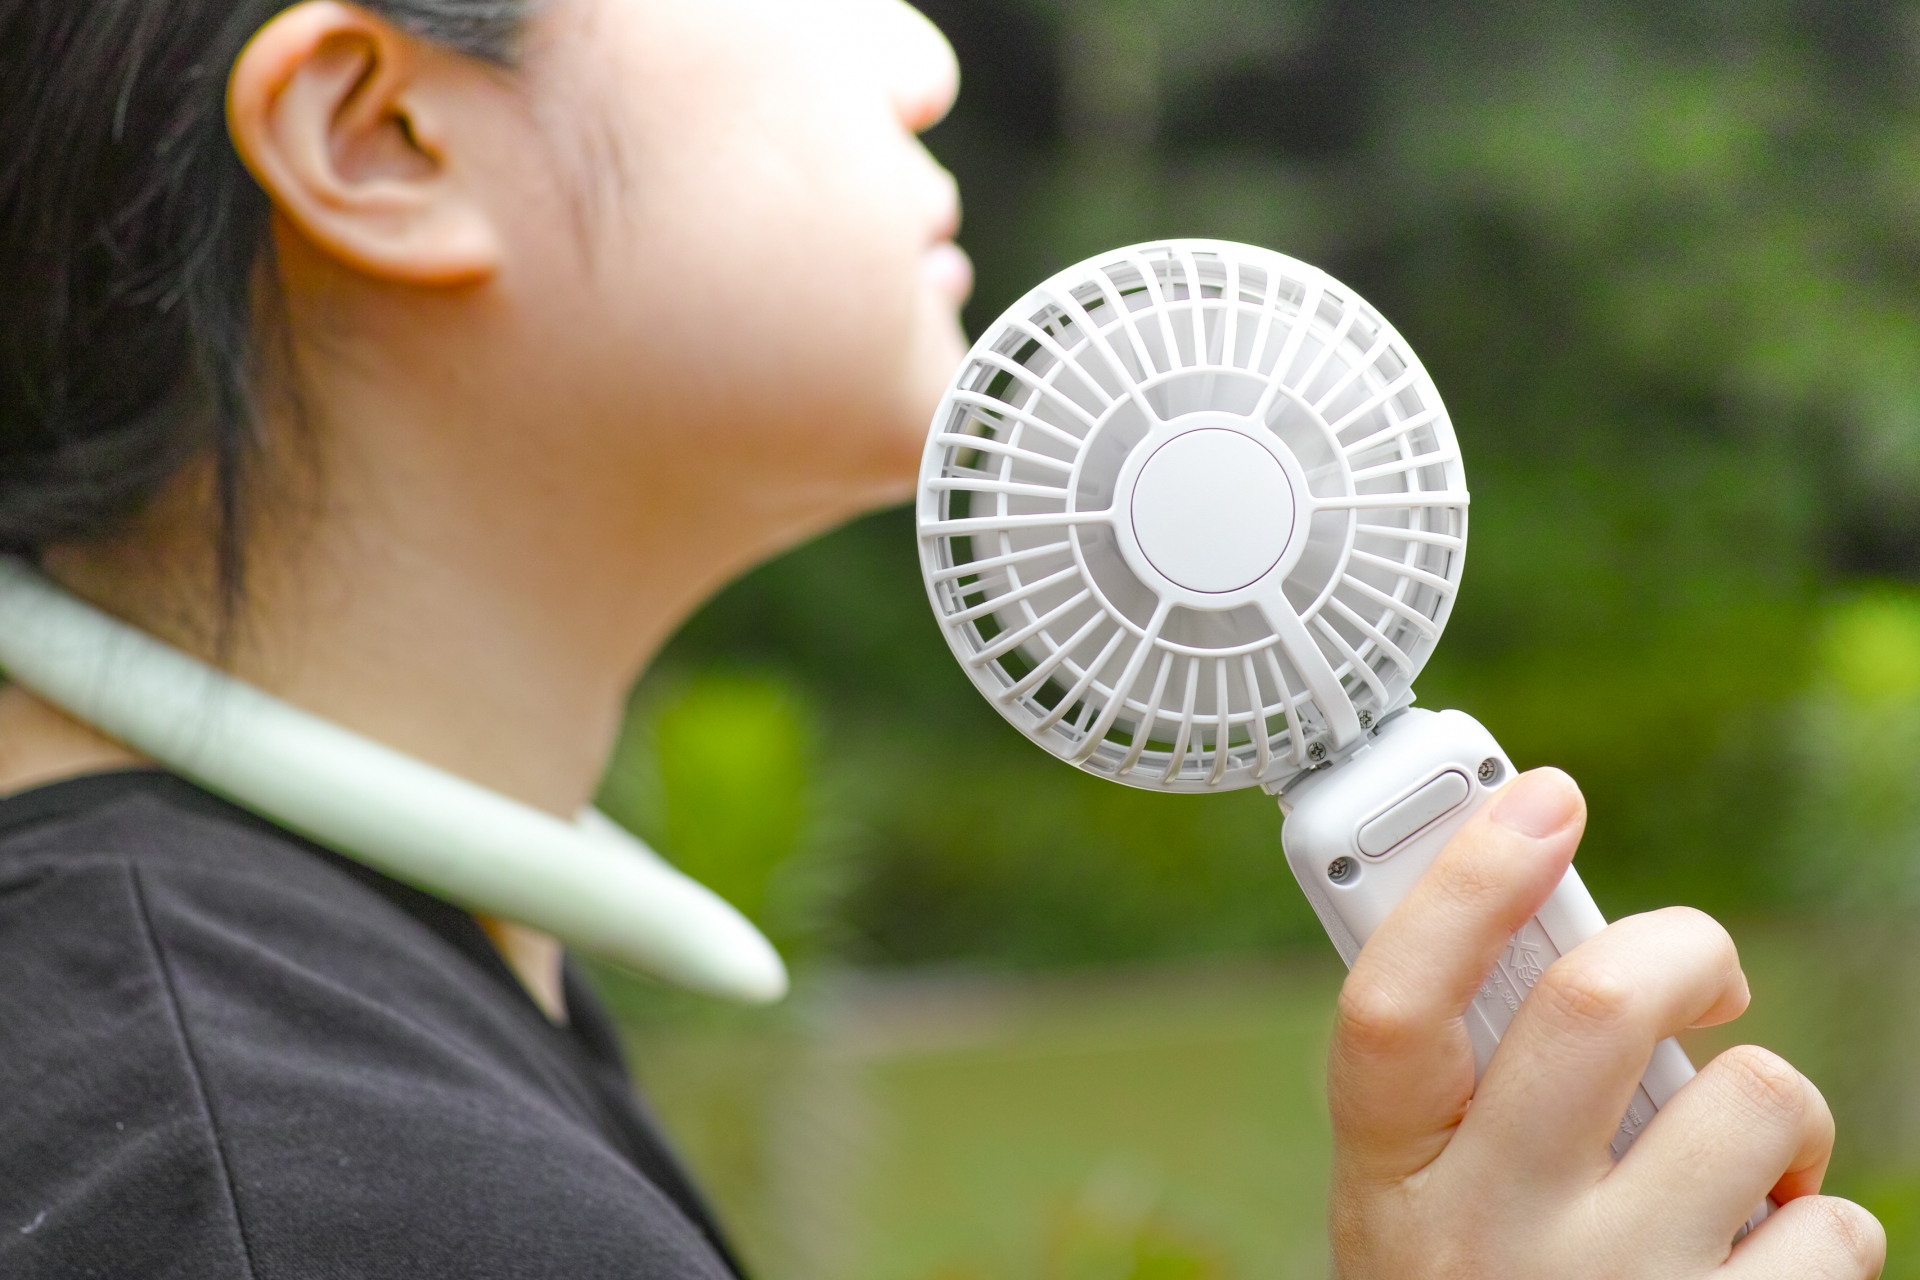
(899,471)
(935,363)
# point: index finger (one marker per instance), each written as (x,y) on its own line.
(1401,1069)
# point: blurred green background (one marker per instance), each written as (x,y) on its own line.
(1663,259)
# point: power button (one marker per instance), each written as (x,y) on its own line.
(1434,801)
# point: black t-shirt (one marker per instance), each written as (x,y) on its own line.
(228,1052)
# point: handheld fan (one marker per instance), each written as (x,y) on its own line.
(1192,516)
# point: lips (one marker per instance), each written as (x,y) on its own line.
(948,271)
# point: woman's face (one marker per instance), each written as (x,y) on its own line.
(741,287)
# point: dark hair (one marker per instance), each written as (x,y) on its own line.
(130,241)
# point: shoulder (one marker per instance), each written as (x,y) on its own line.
(284,1053)
(142,870)
(96,1093)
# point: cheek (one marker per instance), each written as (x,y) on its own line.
(754,272)
(767,329)
(798,269)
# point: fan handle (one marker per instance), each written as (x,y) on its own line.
(1356,857)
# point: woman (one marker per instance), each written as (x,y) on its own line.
(425,363)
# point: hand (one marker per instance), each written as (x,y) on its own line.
(1433,1181)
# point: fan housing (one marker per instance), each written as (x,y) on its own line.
(1192,516)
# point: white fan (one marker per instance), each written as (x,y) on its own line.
(1192,516)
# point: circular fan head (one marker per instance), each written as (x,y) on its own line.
(1192,516)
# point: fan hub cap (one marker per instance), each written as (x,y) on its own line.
(1213,510)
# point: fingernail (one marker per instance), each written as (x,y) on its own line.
(1538,803)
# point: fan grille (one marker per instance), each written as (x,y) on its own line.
(1035,565)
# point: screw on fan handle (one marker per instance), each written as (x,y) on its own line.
(1358,836)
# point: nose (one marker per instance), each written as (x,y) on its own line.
(918,67)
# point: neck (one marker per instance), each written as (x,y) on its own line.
(41,744)
(502,655)
(412,581)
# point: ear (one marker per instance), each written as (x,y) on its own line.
(346,122)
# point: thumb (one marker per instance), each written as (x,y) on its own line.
(1400,1074)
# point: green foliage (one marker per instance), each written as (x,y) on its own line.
(1895,1200)
(1858,805)
(1148,1124)
(1111,1232)
(717,776)
(999,854)
(1870,651)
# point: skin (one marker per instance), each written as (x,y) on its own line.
(572,346)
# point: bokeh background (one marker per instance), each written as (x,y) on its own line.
(1663,259)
